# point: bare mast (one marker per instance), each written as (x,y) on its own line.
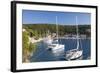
(77,31)
(57,28)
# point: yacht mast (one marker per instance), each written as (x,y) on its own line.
(77,31)
(57,28)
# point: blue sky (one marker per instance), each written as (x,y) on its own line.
(64,18)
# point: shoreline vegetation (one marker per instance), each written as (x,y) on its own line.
(29,46)
(34,33)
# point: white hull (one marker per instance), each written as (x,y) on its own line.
(55,48)
(73,54)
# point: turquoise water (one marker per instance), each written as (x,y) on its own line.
(44,55)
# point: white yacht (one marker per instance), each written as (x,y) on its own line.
(77,52)
(55,47)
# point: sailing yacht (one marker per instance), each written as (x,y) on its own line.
(77,52)
(55,47)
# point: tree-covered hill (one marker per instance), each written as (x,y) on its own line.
(42,29)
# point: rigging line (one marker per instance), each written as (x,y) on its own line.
(57,28)
(77,32)
(78,39)
(81,43)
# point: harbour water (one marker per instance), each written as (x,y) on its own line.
(43,55)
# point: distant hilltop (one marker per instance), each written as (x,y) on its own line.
(42,29)
(54,24)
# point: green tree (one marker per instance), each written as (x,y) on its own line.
(32,47)
(36,35)
(25,45)
(25,40)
